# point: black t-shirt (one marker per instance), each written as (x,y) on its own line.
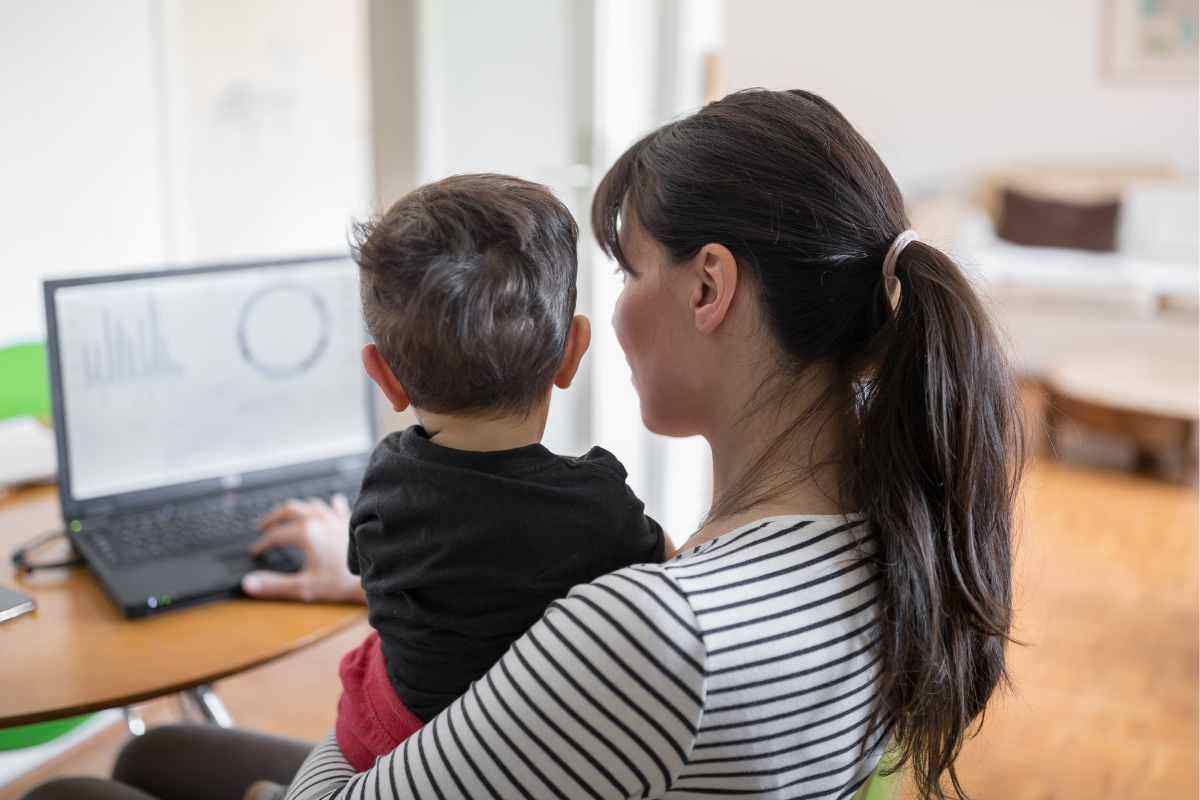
(460,552)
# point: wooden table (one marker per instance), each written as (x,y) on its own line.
(1130,374)
(76,653)
(1150,399)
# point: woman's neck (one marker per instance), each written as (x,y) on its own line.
(769,462)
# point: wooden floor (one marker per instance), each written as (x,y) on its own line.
(1105,699)
(1105,692)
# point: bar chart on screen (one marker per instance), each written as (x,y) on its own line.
(128,348)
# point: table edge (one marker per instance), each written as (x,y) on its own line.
(120,701)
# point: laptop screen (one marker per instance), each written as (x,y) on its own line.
(177,378)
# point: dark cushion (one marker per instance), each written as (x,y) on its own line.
(1025,219)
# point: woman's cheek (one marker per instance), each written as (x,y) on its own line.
(621,323)
(633,323)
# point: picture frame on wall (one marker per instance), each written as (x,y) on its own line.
(1151,40)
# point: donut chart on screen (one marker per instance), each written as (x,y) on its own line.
(283,330)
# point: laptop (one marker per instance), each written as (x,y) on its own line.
(189,402)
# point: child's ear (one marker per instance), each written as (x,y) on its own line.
(579,336)
(377,367)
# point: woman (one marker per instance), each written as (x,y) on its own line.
(850,588)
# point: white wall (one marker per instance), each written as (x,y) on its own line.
(942,88)
(80,180)
(138,133)
(269,125)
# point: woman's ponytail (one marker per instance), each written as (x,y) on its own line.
(936,468)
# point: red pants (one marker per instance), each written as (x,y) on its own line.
(371,720)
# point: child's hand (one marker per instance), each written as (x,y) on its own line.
(321,531)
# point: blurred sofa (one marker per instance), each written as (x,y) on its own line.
(1104,300)
(1154,261)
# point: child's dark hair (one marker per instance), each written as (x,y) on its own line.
(468,289)
(924,397)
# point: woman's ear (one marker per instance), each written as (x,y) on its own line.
(717,273)
(377,367)
(578,338)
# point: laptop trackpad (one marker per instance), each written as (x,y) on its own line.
(275,559)
(177,578)
(236,563)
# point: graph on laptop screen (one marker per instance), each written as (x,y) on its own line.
(179,378)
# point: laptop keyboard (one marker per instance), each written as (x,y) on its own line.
(174,530)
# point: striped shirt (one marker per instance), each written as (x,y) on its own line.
(745,667)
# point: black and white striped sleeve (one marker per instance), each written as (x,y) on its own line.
(602,698)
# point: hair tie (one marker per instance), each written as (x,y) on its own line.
(890,282)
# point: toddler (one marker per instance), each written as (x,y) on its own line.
(466,527)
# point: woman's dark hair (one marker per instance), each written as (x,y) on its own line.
(923,394)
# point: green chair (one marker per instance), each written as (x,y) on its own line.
(880,786)
(37,733)
(25,391)
(24,384)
